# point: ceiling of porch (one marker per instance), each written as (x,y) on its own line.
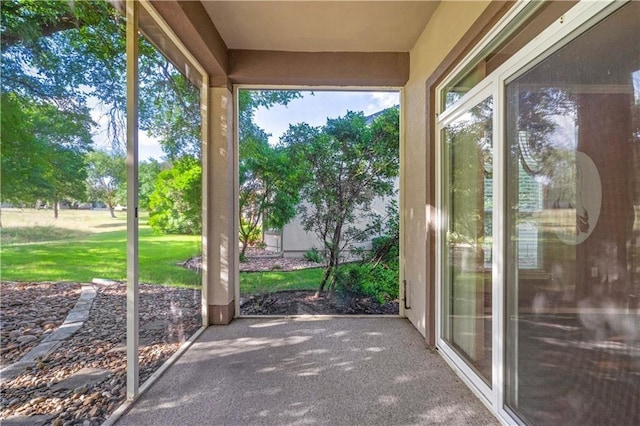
(320,26)
(317,43)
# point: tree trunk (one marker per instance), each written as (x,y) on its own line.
(334,257)
(325,278)
(335,260)
(55,208)
(111,212)
(244,242)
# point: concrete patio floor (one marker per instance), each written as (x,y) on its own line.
(309,371)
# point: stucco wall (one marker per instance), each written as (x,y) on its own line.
(447,26)
(296,241)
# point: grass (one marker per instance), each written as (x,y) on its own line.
(91,252)
(23,235)
(262,282)
(82,245)
(89,221)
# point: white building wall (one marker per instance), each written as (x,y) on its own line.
(295,241)
(446,27)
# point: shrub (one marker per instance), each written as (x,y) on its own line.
(378,281)
(313,255)
(348,279)
(175,204)
(385,248)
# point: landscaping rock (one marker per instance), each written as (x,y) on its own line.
(83,380)
(26,338)
(26,308)
(27,420)
(258,260)
(86,377)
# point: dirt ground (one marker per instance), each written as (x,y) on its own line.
(297,302)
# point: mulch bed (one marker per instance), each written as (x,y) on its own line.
(303,302)
(297,302)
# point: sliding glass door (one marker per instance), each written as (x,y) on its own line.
(539,227)
(573,329)
(467,199)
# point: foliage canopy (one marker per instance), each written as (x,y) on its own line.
(351,162)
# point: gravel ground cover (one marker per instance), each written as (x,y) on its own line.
(84,381)
(259,260)
(29,312)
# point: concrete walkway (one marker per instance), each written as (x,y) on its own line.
(333,371)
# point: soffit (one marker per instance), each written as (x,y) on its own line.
(320,26)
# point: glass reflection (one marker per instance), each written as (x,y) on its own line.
(573,317)
(469,203)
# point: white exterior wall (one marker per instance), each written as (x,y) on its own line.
(295,241)
(447,26)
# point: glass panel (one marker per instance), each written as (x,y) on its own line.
(170,207)
(534,18)
(573,195)
(469,204)
(462,85)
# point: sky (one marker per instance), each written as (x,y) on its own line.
(148,147)
(313,108)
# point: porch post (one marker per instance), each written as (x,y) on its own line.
(132,200)
(221,223)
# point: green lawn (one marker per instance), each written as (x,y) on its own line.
(35,234)
(262,282)
(100,255)
(82,245)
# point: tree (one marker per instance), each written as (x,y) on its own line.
(148,172)
(175,205)
(65,53)
(23,155)
(169,107)
(268,182)
(107,174)
(43,150)
(269,189)
(350,164)
(66,135)
(61,53)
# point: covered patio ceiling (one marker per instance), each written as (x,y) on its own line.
(355,43)
(320,26)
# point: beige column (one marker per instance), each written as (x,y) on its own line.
(220,243)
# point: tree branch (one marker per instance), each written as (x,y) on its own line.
(65,22)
